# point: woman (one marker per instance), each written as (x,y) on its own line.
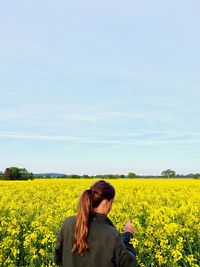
(90,239)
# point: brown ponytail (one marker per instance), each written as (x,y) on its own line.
(89,200)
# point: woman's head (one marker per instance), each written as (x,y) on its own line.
(99,199)
(101,195)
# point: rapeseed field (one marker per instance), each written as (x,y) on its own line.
(166,214)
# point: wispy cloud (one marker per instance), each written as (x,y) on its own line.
(139,139)
(39,137)
(62,114)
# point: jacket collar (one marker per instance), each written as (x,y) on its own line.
(102,218)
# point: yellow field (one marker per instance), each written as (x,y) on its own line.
(166,214)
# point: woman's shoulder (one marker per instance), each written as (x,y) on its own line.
(109,229)
(115,232)
(69,221)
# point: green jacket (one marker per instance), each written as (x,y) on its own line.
(107,247)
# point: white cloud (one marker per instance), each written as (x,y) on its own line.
(113,142)
(60,114)
(39,137)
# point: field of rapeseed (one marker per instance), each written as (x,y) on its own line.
(166,215)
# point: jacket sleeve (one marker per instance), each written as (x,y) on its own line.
(126,238)
(59,248)
(124,253)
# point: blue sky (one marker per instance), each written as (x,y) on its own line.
(95,87)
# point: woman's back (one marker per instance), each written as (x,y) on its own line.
(90,239)
(107,248)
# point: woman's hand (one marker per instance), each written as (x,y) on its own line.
(129,228)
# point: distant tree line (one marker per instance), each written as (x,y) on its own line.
(86,176)
(167,174)
(14,173)
(102,176)
(172,174)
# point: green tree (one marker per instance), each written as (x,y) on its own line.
(11,173)
(196,176)
(25,175)
(7,174)
(131,175)
(14,173)
(85,176)
(168,173)
(74,176)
